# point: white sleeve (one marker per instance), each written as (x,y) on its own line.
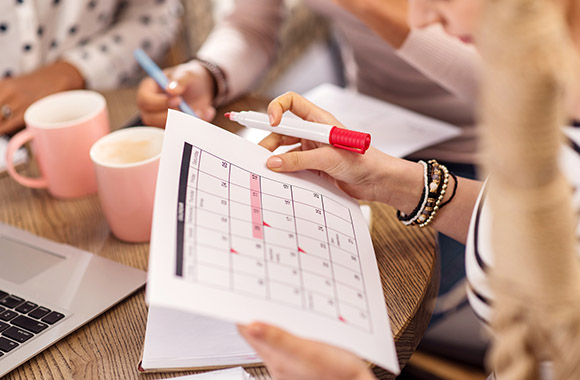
(446,60)
(106,61)
(244,43)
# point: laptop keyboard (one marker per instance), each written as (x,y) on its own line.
(20,320)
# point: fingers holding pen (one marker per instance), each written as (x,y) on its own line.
(192,84)
(299,106)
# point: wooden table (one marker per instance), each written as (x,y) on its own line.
(110,346)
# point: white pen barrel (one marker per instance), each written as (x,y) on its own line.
(288,126)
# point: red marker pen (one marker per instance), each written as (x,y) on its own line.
(354,141)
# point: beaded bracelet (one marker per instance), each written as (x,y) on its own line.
(452,193)
(425,219)
(412,217)
(434,189)
(436,183)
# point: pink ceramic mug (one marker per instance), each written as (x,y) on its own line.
(62,128)
(126,163)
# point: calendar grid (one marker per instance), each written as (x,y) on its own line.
(230,257)
(302,288)
(340,318)
(291,245)
(361,274)
(338,216)
(266,276)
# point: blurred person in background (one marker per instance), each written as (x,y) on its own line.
(50,46)
(426,71)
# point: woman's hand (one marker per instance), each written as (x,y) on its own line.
(16,94)
(190,82)
(373,176)
(291,358)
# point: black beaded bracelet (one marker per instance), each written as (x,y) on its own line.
(406,218)
(410,219)
(453,193)
(434,205)
(435,186)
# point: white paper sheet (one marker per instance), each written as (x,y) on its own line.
(234,240)
(237,373)
(394,130)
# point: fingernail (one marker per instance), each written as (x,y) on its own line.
(274,162)
(172,85)
(271,117)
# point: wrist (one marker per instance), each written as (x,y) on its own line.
(366,374)
(219,81)
(67,76)
(404,183)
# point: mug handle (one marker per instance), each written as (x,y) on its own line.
(14,144)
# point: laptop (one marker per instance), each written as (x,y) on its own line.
(48,290)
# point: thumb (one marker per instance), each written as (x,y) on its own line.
(315,159)
(272,337)
(207,113)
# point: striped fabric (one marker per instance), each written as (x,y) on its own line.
(478,255)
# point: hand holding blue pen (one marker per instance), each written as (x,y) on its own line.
(157,74)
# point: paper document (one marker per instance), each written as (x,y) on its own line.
(235,241)
(217,343)
(20,156)
(237,373)
(394,130)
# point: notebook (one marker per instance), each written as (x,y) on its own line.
(48,290)
(236,373)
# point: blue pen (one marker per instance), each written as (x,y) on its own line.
(155,72)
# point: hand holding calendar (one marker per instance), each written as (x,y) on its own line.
(234,240)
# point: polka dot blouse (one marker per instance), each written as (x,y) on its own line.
(96,36)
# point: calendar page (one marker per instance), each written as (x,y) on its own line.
(234,240)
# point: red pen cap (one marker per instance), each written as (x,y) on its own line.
(354,141)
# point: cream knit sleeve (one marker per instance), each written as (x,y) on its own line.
(446,60)
(244,44)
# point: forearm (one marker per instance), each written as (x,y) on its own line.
(454,219)
(63,76)
(446,60)
(401,186)
(366,375)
